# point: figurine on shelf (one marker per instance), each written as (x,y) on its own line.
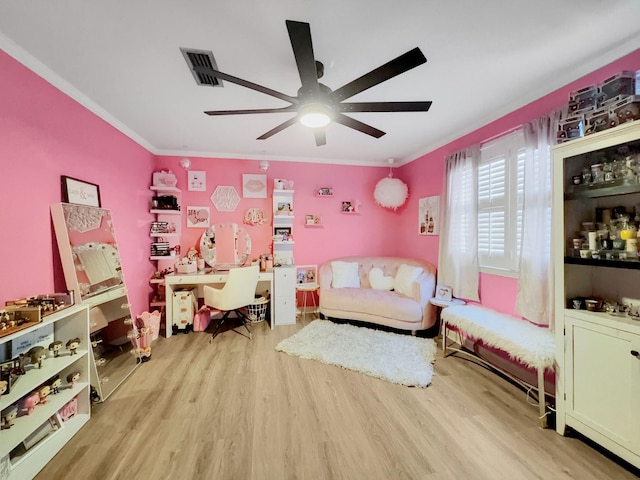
(9,415)
(28,403)
(4,386)
(72,345)
(43,392)
(55,347)
(55,384)
(72,378)
(37,355)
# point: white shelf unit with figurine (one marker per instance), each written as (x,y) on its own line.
(33,439)
(284,285)
(165,233)
(598,349)
(283,217)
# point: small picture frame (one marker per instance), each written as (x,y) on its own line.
(80,192)
(307,274)
(444,292)
(282,231)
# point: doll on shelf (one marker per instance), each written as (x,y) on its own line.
(55,384)
(8,417)
(72,345)
(55,347)
(72,378)
(43,392)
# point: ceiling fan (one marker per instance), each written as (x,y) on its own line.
(316,105)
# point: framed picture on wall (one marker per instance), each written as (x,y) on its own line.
(428,216)
(197,180)
(254,186)
(80,192)
(198,217)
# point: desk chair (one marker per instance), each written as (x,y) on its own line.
(238,292)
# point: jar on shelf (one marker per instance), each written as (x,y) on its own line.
(597,173)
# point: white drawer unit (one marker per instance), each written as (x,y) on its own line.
(284,291)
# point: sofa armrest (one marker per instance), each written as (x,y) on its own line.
(423,290)
(325,275)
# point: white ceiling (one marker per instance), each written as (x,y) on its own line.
(121,59)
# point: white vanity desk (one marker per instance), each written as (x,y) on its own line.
(209,276)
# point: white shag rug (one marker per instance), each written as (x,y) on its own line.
(401,359)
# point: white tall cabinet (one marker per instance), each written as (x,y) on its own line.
(598,380)
(22,456)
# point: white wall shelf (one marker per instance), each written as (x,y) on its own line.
(163,262)
(68,323)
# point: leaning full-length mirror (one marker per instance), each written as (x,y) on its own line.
(92,269)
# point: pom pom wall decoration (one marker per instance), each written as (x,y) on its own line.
(391,192)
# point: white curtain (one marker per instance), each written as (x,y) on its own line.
(535,281)
(458,256)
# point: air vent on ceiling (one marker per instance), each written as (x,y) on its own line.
(201,58)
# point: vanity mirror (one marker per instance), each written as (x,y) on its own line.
(92,269)
(225,244)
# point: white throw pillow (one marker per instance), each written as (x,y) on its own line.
(378,280)
(345,274)
(407,274)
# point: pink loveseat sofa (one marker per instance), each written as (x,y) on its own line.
(404,307)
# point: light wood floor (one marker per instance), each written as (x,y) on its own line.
(237,409)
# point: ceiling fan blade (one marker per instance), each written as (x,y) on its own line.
(384,106)
(395,67)
(246,84)
(321,136)
(358,125)
(300,36)
(290,108)
(278,129)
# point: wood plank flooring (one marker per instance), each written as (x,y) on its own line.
(237,409)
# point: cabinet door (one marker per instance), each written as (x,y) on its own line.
(285,310)
(284,289)
(603,380)
(285,282)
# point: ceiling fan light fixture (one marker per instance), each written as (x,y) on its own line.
(315,115)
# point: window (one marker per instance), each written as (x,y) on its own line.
(500,201)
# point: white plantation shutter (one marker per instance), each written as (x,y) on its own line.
(500,200)
(519,199)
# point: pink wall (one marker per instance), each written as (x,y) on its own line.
(426,177)
(372,232)
(45,134)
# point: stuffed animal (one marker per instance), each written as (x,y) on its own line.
(37,355)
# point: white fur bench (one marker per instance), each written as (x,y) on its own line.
(528,344)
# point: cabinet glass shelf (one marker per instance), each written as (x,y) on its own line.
(605,189)
(627,264)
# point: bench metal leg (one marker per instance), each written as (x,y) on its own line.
(542,399)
